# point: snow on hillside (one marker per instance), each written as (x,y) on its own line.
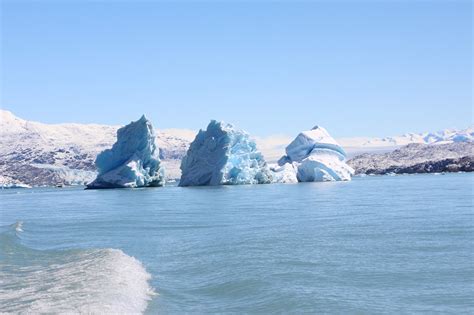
(274,146)
(411,155)
(56,154)
(37,154)
(16,132)
(443,136)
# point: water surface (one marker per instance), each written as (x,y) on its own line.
(374,245)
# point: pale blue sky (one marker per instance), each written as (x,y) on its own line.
(358,68)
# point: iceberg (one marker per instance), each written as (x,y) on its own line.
(285,173)
(223,155)
(133,161)
(313,156)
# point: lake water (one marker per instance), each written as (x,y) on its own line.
(374,245)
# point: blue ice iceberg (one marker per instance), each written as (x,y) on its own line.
(313,156)
(223,155)
(133,160)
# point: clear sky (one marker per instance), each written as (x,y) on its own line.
(374,68)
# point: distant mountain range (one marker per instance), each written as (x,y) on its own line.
(44,154)
(48,154)
(412,158)
(273,147)
(443,136)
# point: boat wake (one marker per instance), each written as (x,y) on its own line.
(79,281)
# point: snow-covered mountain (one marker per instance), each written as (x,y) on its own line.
(52,154)
(443,136)
(445,150)
(418,158)
(274,146)
(35,153)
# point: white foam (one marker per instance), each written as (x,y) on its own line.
(19,226)
(81,281)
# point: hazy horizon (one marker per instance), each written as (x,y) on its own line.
(272,139)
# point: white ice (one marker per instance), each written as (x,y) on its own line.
(313,156)
(223,155)
(133,160)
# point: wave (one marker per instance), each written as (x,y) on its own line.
(69,281)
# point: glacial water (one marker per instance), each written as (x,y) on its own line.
(374,245)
